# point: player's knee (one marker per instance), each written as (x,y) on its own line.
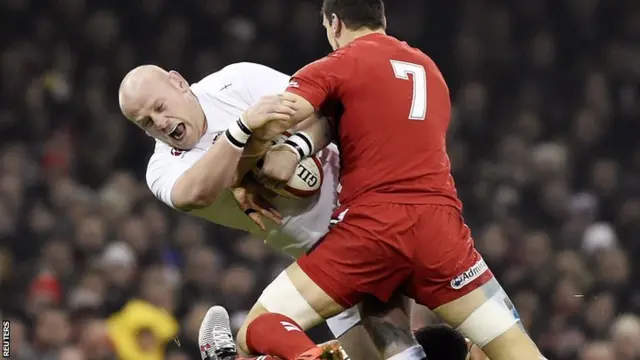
(489,321)
(241,340)
(282,297)
(512,344)
(241,337)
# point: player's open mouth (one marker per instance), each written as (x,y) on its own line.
(178,131)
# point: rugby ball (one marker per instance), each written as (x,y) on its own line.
(304,183)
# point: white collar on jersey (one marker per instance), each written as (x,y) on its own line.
(203,97)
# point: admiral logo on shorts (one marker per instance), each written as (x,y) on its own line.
(468,276)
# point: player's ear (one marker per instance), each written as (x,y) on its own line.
(178,81)
(336,25)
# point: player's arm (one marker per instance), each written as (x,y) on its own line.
(307,91)
(281,161)
(311,135)
(317,82)
(254,82)
(312,85)
(200,185)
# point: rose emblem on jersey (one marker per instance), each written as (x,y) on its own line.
(177,152)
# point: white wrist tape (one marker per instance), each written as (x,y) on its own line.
(301,143)
(238,133)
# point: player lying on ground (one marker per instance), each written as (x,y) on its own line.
(399,224)
(216,342)
(194,163)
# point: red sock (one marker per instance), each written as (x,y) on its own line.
(277,335)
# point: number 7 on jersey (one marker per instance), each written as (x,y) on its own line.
(402,70)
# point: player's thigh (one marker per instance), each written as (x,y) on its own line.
(388,324)
(241,337)
(488,318)
(451,277)
(294,294)
(446,265)
(358,345)
(356,259)
(421,316)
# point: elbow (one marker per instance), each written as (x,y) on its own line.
(196,198)
(193,192)
(202,197)
(201,201)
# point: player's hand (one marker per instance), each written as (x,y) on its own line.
(255,207)
(268,109)
(280,164)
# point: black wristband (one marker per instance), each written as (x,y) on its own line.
(296,147)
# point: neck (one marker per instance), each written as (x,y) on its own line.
(204,122)
(353,35)
(201,116)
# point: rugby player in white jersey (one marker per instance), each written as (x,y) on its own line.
(195,166)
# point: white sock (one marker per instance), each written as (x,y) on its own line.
(413,353)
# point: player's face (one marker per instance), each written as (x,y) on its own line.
(169,112)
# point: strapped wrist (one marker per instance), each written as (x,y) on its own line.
(238,133)
(301,144)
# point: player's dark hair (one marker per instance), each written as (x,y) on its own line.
(441,342)
(356,14)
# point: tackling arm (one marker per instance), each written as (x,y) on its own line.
(216,171)
(312,135)
(317,127)
(201,184)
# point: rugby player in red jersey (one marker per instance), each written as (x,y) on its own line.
(398,225)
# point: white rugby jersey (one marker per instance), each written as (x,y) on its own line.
(224,96)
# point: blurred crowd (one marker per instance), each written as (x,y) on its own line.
(547,102)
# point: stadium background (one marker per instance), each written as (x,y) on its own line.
(543,146)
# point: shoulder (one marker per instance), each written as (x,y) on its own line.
(232,72)
(245,81)
(244,71)
(339,61)
(244,67)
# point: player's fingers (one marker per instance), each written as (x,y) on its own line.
(266,213)
(274,116)
(288,103)
(265,205)
(276,213)
(257,219)
(279,184)
(284,109)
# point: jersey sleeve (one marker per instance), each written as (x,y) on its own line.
(322,79)
(259,80)
(163,171)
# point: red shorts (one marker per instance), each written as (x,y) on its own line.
(425,251)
